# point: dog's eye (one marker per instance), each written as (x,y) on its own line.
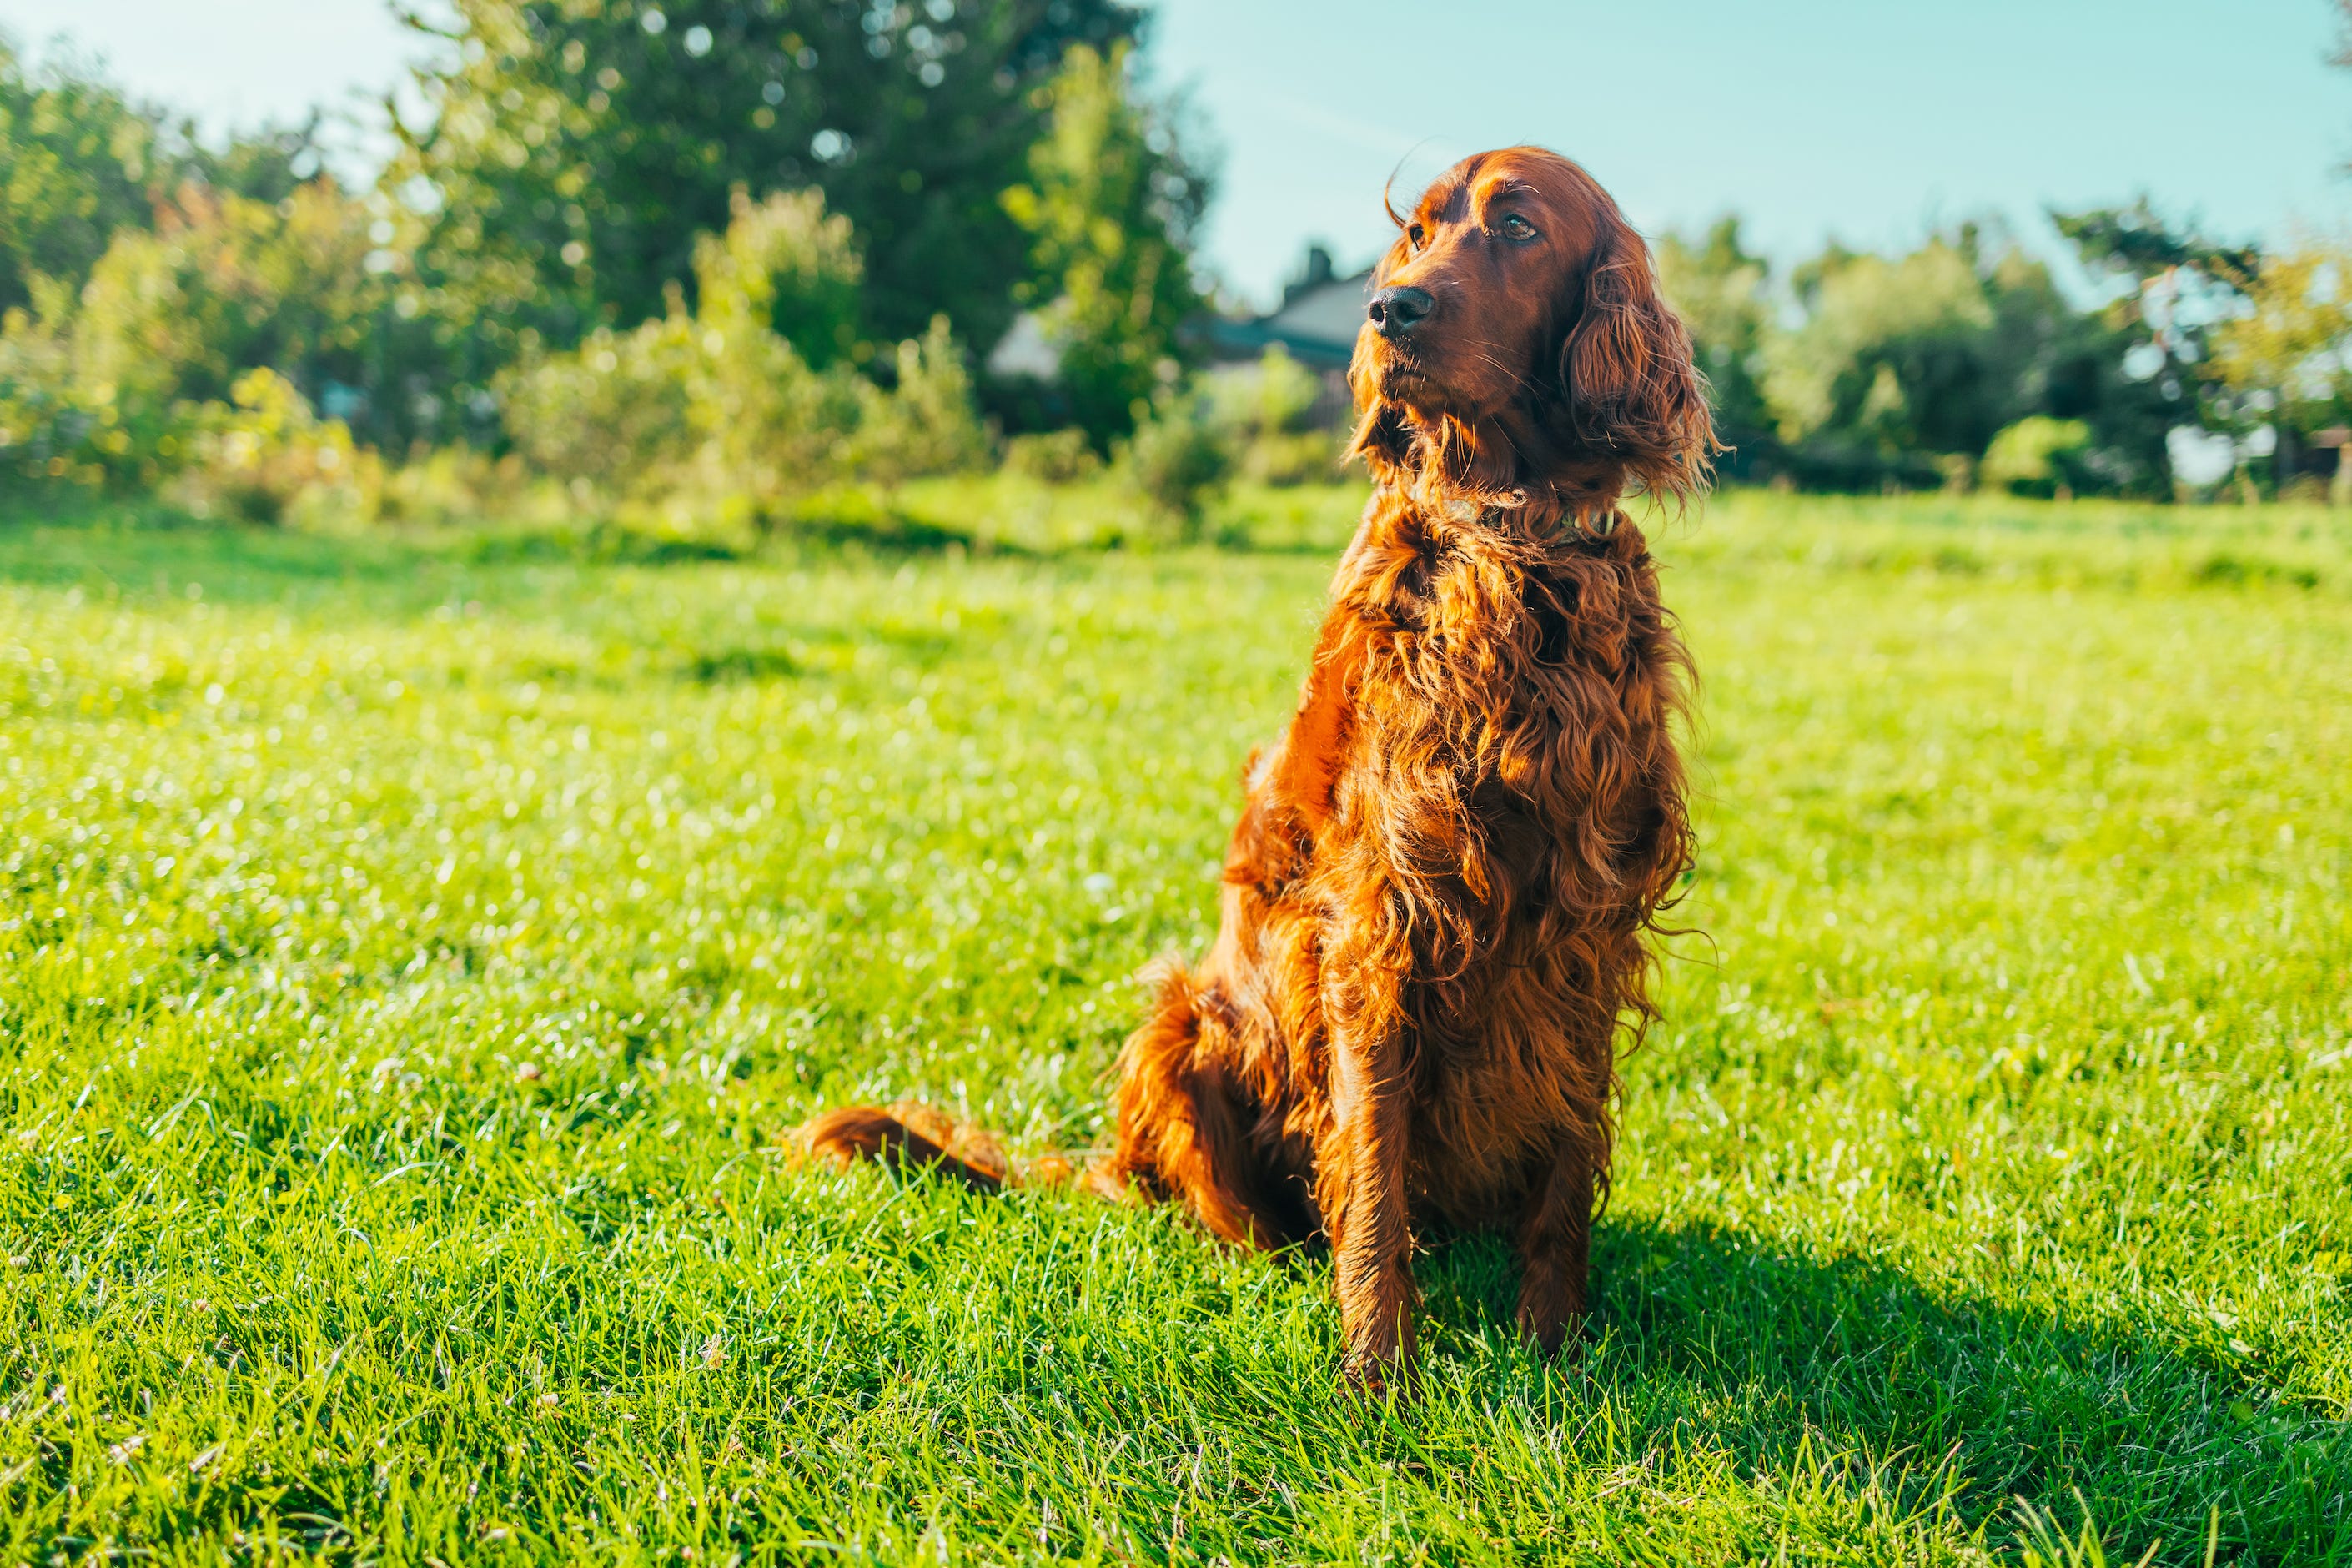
(1514,226)
(1415,238)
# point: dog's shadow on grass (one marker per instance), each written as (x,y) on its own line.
(1783,1359)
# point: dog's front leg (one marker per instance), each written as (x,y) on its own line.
(1555,1236)
(1362,1175)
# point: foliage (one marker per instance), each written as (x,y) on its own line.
(616,414)
(720,402)
(1883,361)
(49,424)
(2037,456)
(2290,348)
(1266,409)
(115,383)
(2137,242)
(1722,291)
(227,284)
(577,147)
(1110,204)
(1180,457)
(79,163)
(1054,456)
(414,959)
(1861,370)
(76,163)
(786,267)
(2179,286)
(927,423)
(257,459)
(2049,359)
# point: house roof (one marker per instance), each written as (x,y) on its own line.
(1317,321)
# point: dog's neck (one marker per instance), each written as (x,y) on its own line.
(1495,463)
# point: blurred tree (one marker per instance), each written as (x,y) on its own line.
(1888,369)
(2294,339)
(786,267)
(1903,370)
(1179,457)
(227,284)
(2155,370)
(2289,357)
(267,165)
(79,162)
(172,320)
(2038,456)
(723,405)
(1721,290)
(1111,206)
(2050,364)
(577,147)
(1268,412)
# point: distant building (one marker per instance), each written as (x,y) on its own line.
(1025,350)
(1316,324)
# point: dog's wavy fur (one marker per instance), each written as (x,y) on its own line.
(1440,899)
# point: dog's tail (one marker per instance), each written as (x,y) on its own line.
(910,1137)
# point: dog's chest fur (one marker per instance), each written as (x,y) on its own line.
(1493,665)
(1492,692)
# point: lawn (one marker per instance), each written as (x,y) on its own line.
(414,952)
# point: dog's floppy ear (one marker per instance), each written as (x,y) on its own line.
(1629,387)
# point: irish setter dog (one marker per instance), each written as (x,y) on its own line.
(1440,901)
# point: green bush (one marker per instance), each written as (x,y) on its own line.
(1180,458)
(117,384)
(2037,456)
(50,425)
(925,424)
(1111,206)
(1267,410)
(265,452)
(616,414)
(722,405)
(783,266)
(581,145)
(1054,456)
(83,163)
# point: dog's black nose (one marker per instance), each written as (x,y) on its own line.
(1395,312)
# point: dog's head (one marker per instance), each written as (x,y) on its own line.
(1516,320)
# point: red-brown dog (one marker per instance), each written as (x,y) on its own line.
(1439,900)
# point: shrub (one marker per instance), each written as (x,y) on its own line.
(254,457)
(925,424)
(1111,206)
(122,382)
(2038,456)
(786,267)
(51,425)
(451,485)
(1306,458)
(722,404)
(616,414)
(1054,456)
(1180,457)
(1267,410)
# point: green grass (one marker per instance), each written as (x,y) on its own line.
(410,952)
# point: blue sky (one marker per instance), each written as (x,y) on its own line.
(1871,119)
